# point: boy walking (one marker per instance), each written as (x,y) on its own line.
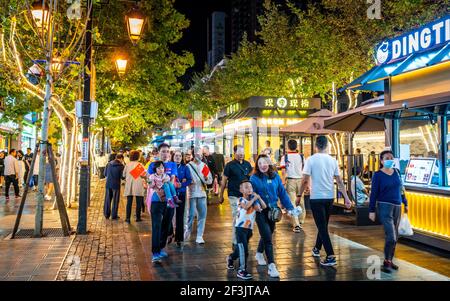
(248,204)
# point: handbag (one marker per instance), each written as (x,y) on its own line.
(275,214)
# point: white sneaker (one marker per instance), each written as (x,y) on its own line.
(273,272)
(200,240)
(260,259)
(47,197)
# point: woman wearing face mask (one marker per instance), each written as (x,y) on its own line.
(386,194)
(267,184)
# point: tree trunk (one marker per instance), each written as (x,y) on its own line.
(43,154)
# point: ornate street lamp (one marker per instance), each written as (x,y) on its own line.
(57,65)
(135,20)
(40,14)
(121,65)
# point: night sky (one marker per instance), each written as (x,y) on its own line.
(194,38)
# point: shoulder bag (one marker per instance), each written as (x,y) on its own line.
(201,180)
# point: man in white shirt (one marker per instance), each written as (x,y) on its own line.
(101,164)
(322,169)
(11,173)
(292,165)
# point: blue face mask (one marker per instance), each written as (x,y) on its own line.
(388,164)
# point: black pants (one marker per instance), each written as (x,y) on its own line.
(139,201)
(241,251)
(166,226)
(112,195)
(161,218)
(266,228)
(179,218)
(25,176)
(321,212)
(11,180)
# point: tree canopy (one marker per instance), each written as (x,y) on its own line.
(302,53)
(148,94)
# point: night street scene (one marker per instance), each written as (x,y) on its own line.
(225,148)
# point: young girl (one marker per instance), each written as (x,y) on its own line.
(160,182)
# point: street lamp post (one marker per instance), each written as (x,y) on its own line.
(41,14)
(86,107)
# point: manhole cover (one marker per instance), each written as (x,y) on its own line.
(48,232)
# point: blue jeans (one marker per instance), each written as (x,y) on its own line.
(199,205)
(390,218)
(169,191)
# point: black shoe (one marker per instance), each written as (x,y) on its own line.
(138,220)
(329,261)
(315,252)
(117,217)
(128,220)
(179,244)
(389,265)
(230,263)
(244,275)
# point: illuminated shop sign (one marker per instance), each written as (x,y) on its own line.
(426,37)
(286,104)
(233,108)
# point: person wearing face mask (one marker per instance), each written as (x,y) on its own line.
(386,196)
(267,184)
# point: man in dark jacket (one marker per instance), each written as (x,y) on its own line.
(219,161)
(113,174)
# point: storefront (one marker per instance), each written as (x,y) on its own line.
(28,136)
(255,123)
(413,72)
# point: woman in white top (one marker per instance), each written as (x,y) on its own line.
(134,175)
(21,168)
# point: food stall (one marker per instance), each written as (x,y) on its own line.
(413,73)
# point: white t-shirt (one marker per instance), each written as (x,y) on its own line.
(293,166)
(322,168)
(245,218)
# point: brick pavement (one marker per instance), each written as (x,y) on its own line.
(106,252)
(114,250)
(31,258)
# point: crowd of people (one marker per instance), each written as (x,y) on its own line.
(15,167)
(174,188)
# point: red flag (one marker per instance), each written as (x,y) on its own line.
(205,170)
(137,171)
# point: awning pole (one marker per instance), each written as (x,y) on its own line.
(443,126)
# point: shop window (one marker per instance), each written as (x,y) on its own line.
(420,139)
(448,153)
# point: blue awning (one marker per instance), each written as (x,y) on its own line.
(372,80)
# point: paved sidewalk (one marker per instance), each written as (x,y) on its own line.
(31,258)
(106,252)
(114,250)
